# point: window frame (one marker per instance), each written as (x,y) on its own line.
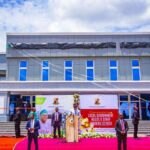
(65,68)
(93,68)
(116,68)
(23,68)
(136,67)
(42,68)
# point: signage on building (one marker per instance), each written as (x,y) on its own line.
(98,112)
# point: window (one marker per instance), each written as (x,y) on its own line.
(135,70)
(68,70)
(113,70)
(124,106)
(90,70)
(22,70)
(45,70)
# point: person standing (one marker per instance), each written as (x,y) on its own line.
(135,121)
(27,108)
(75,110)
(56,122)
(33,110)
(121,128)
(17,120)
(32,127)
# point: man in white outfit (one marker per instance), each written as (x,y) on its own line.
(75,110)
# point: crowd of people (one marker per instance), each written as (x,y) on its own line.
(33,125)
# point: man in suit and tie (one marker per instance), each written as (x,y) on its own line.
(56,121)
(135,120)
(121,132)
(32,127)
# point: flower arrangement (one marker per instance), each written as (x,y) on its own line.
(83,135)
(45,136)
(96,135)
(88,130)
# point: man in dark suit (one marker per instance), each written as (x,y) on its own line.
(17,120)
(135,121)
(56,121)
(121,132)
(32,127)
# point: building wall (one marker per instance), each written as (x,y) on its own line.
(79,57)
(56,71)
(3,66)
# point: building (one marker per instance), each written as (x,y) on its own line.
(84,63)
(2,66)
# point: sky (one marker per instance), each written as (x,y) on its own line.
(73,16)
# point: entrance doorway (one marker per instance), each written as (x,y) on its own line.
(24,102)
(126,105)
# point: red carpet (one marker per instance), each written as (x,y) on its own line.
(87,144)
(6,143)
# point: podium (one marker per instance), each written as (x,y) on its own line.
(72,128)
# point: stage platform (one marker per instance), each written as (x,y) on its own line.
(87,144)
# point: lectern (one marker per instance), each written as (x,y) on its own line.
(72,128)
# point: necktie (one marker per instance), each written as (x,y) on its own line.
(56,117)
(122,125)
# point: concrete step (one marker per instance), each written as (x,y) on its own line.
(7,128)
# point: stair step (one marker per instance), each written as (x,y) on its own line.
(7,128)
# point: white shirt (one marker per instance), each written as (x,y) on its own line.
(56,116)
(75,112)
(32,123)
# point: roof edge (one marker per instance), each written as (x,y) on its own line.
(78,33)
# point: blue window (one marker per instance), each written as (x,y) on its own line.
(68,70)
(23,70)
(68,74)
(45,70)
(135,70)
(113,74)
(68,63)
(23,74)
(136,74)
(23,64)
(113,63)
(45,63)
(90,70)
(135,63)
(90,74)
(45,75)
(113,70)
(90,63)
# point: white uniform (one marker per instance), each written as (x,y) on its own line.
(75,112)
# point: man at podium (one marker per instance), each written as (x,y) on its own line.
(75,110)
(72,124)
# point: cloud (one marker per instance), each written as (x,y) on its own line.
(73,16)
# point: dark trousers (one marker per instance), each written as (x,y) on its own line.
(56,127)
(135,130)
(122,139)
(30,137)
(17,129)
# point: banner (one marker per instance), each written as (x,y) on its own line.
(99,113)
(48,103)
